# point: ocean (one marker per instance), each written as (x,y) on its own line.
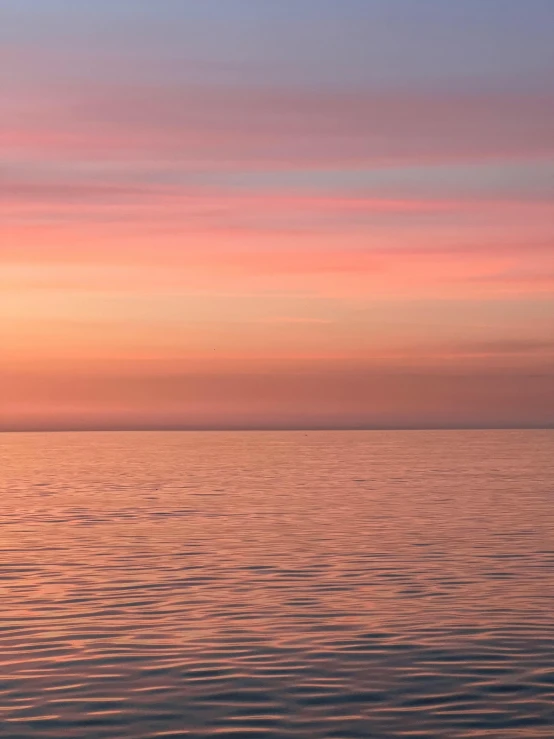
(277,584)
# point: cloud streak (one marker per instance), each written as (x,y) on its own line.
(199,228)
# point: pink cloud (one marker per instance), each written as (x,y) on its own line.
(268,126)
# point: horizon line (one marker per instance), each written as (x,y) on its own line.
(262,428)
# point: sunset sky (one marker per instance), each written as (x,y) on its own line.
(276,213)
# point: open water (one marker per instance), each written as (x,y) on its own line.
(263,585)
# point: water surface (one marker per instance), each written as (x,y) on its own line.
(328,584)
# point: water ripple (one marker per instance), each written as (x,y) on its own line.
(277,585)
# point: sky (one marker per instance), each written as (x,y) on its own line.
(276,214)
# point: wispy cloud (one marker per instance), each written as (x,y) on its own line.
(295,211)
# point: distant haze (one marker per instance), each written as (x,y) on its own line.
(290,214)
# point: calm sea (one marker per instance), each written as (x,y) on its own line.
(291,584)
